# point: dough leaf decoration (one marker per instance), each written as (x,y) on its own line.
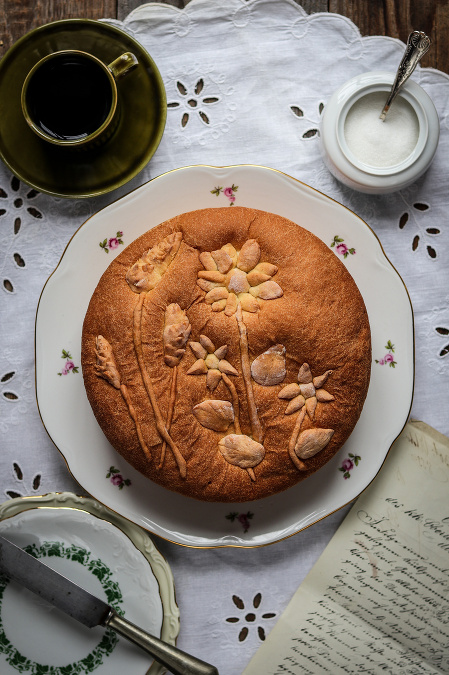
(304,397)
(177,330)
(142,278)
(312,441)
(242,451)
(106,367)
(269,369)
(214,414)
(236,282)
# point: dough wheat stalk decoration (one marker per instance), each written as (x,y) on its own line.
(142,278)
(176,333)
(246,370)
(106,367)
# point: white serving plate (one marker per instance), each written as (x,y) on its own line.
(107,555)
(66,412)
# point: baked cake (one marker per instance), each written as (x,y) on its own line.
(226,354)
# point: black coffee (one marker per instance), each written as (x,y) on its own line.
(69,97)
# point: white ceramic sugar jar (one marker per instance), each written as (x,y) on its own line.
(373,156)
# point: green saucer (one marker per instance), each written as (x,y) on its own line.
(77,173)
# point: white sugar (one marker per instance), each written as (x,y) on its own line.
(376,143)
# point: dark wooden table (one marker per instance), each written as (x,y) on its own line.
(396,18)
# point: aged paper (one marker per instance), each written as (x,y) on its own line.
(377,600)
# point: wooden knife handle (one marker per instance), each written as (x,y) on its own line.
(177,661)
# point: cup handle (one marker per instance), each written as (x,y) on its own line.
(123,65)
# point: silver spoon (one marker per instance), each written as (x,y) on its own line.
(417,45)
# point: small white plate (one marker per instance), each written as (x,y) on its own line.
(107,555)
(66,412)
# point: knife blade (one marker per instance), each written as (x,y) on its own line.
(89,610)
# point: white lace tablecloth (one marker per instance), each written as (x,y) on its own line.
(246,83)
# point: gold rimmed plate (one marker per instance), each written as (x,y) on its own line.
(66,412)
(104,553)
(76,173)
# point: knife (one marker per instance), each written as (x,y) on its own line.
(78,603)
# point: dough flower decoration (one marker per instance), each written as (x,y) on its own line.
(234,278)
(142,277)
(304,397)
(236,448)
(236,282)
(211,362)
(106,367)
(176,332)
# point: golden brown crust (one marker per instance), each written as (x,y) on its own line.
(320,319)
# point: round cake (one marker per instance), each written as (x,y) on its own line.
(226,354)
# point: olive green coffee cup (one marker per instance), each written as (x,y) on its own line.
(70,98)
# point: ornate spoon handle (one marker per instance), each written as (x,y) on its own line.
(417,45)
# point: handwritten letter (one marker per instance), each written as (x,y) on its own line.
(377,600)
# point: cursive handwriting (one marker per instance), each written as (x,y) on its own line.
(377,601)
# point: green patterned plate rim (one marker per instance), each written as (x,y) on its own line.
(74,517)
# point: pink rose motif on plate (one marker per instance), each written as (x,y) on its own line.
(242,518)
(116,478)
(341,248)
(244,521)
(348,464)
(388,359)
(111,243)
(69,366)
(228,192)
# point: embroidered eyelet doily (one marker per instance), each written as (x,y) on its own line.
(246,83)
